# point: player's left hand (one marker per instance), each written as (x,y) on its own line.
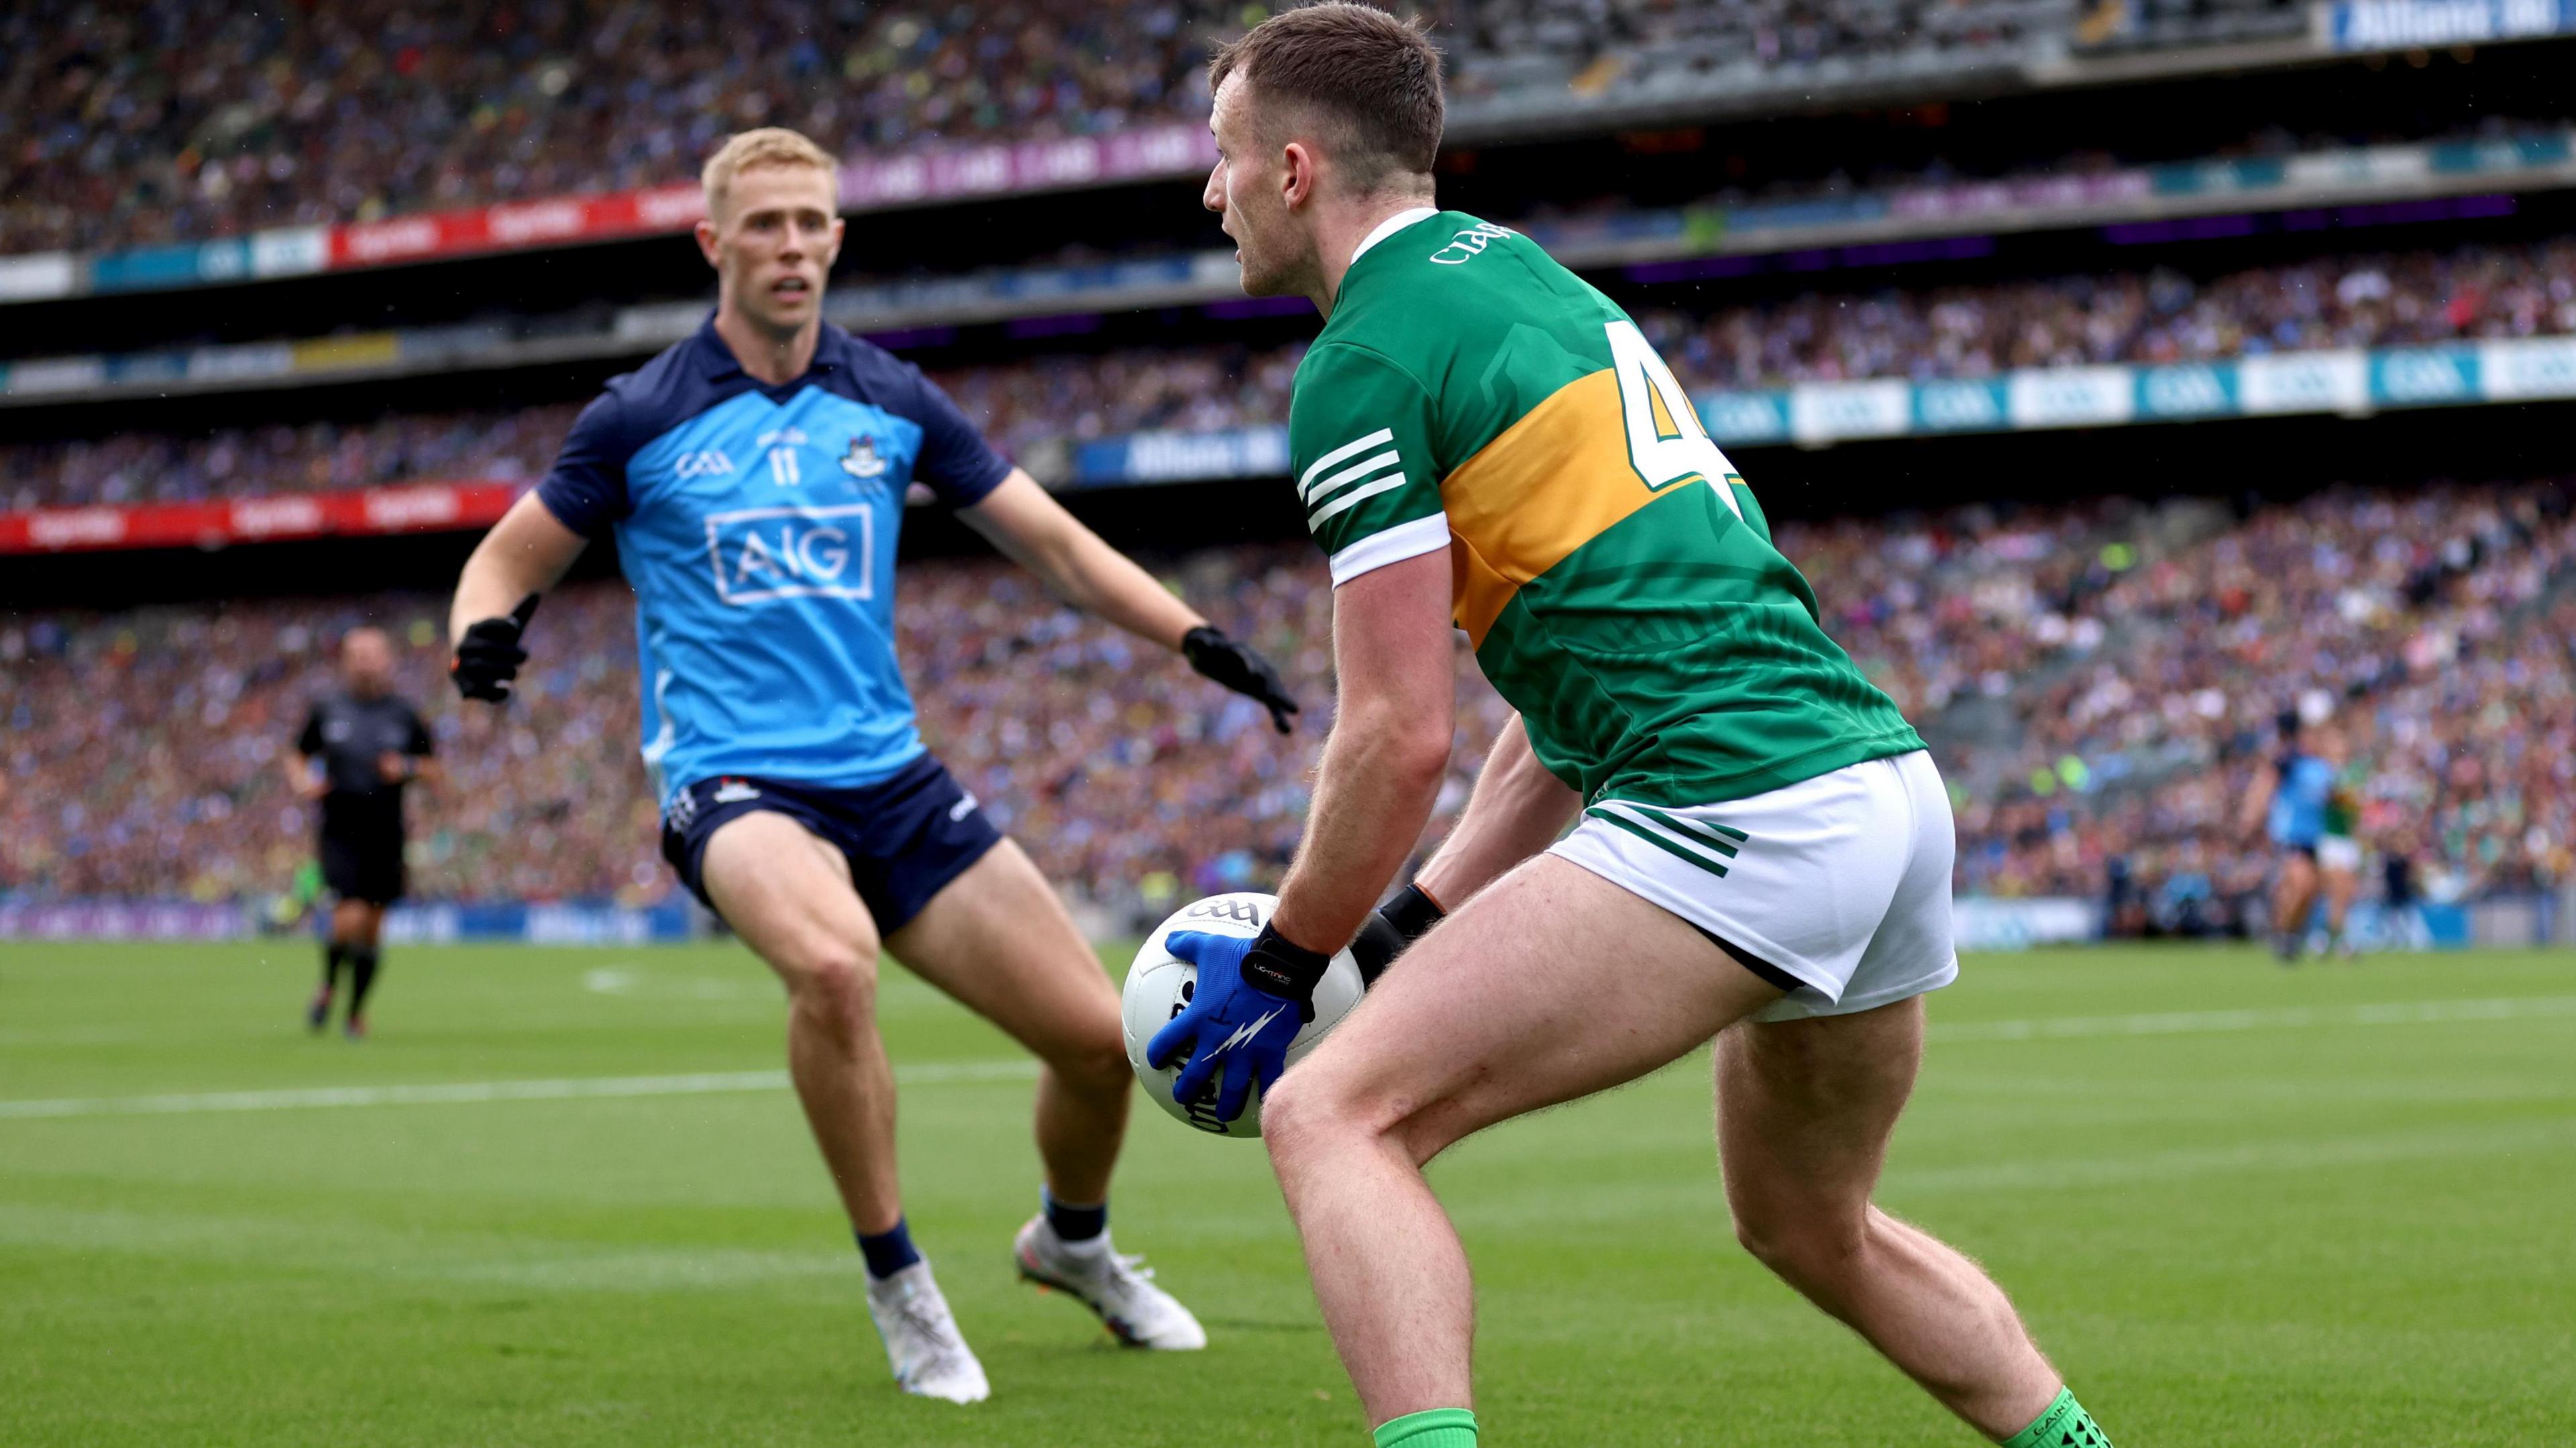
(1239,667)
(489,655)
(1251,998)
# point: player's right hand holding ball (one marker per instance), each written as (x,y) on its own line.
(488,657)
(1251,999)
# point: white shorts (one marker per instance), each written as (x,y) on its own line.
(1841,881)
(2339,852)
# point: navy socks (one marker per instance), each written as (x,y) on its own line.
(1074,1224)
(890,1251)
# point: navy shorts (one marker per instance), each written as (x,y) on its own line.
(906,836)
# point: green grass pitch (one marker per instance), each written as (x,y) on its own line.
(2240,1205)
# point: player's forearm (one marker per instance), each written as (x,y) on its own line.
(526,552)
(1034,531)
(1105,583)
(492,584)
(1373,793)
(1518,809)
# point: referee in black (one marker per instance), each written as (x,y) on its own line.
(359,748)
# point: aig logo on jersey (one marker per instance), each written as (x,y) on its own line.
(707,463)
(761,554)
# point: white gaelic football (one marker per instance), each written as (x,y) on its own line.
(1159,984)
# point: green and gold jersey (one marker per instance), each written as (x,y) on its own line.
(2343,799)
(1613,572)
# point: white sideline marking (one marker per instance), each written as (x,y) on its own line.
(2394,1013)
(2497,1008)
(465,1092)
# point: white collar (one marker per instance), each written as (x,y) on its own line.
(1389,227)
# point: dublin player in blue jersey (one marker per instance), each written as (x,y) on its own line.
(754,477)
(2305,804)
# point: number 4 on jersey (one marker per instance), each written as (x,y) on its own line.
(1666,444)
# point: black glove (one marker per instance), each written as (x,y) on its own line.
(1396,924)
(1240,668)
(488,657)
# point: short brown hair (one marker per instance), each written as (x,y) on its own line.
(767,146)
(1372,78)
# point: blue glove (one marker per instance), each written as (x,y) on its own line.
(1251,998)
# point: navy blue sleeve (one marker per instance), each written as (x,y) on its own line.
(955,460)
(586,488)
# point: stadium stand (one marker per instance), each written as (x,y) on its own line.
(1965,331)
(2366,300)
(2101,679)
(2436,622)
(357,112)
(354,112)
(2100,676)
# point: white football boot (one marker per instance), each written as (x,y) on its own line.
(1120,1289)
(923,1346)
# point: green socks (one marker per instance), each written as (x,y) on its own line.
(2064,1425)
(1438,1428)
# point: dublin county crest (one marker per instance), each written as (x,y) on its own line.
(862,460)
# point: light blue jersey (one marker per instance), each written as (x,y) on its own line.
(2299,801)
(757,526)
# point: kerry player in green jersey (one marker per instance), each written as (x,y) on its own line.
(1761,848)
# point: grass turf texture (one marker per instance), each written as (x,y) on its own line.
(2240,1205)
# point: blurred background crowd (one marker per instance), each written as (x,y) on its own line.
(172,121)
(166,121)
(1966,331)
(2104,682)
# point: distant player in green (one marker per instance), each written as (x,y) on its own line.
(1761,849)
(2339,846)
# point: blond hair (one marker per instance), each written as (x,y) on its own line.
(767,146)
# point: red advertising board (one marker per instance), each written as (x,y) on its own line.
(517,225)
(358,512)
(868,183)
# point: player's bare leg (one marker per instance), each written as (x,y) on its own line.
(1805,1109)
(2339,886)
(2293,897)
(999,940)
(1506,1007)
(788,895)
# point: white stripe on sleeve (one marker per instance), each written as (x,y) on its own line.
(1356,495)
(1346,450)
(1391,545)
(1353,474)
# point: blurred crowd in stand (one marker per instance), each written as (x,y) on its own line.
(2102,684)
(175,120)
(2350,300)
(2434,628)
(1028,406)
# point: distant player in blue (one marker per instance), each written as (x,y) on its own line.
(2295,803)
(754,479)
